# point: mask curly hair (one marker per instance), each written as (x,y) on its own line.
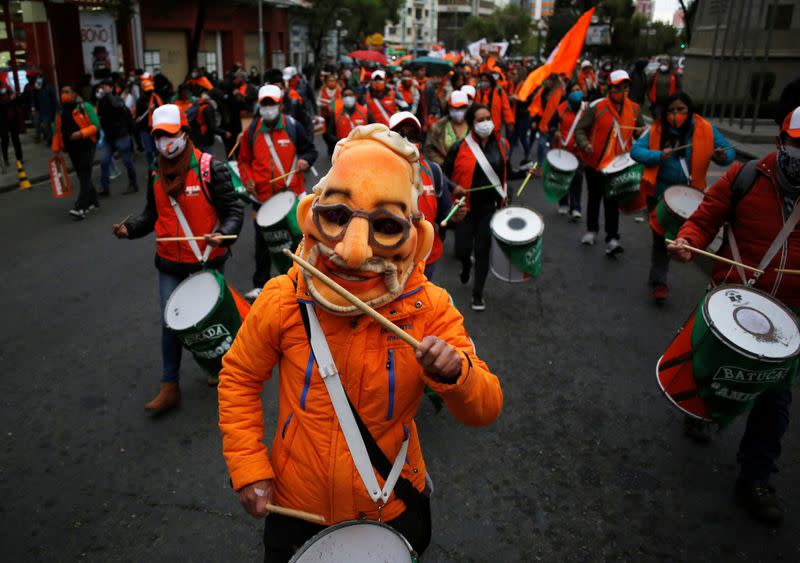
(379,133)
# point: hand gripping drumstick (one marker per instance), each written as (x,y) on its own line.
(307,516)
(715,257)
(454,210)
(182,239)
(528,177)
(366,309)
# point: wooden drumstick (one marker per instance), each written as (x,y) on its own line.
(787,271)
(715,257)
(125,219)
(183,239)
(307,516)
(453,211)
(281,177)
(528,177)
(236,146)
(366,309)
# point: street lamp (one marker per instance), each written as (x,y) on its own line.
(540,27)
(515,43)
(338,39)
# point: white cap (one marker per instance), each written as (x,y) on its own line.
(459,99)
(618,76)
(586,63)
(378,74)
(270,91)
(469,90)
(402,116)
(289,72)
(169,118)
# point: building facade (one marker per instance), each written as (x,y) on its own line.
(645,8)
(453,14)
(416,26)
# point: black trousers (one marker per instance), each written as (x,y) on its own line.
(82,160)
(263,263)
(596,189)
(13,132)
(659,258)
(283,536)
(474,234)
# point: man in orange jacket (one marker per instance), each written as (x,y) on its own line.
(363,229)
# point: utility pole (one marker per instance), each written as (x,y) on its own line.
(261,37)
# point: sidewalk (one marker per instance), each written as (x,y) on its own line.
(749,145)
(36,157)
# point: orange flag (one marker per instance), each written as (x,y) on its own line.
(563,57)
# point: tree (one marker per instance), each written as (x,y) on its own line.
(689,11)
(502,25)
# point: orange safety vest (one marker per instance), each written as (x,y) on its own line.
(587,81)
(183,104)
(550,108)
(465,163)
(497,102)
(325,101)
(387,103)
(673,87)
(429,206)
(605,143)
(201,116)
(81,120)
(155,102)
(265,168)
(346,122)
(702,148)
(195,203)
(567,119)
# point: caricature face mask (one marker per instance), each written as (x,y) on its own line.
(361,225)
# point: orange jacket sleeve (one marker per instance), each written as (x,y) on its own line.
(245,368)
(475,398)
(245,158)
(508,114)
(58,142)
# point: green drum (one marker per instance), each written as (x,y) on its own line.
(744,342)
(516,244)
(277,221)
(205,316)
(558,170)
(236,180)
(622,178)
(673,209)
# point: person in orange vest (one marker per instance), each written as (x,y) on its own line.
(587,79)
(605,131)
(542,109)
(679,126)
(435,201)
(664,84)
(448,130)
(297,86)
(363,229)
(184,98)
(408,93)
(147,103)
(274,146)
(562,128)
(346,115)
(198,83)
(492,95)
(77,131)
(328,94)
(381,102)
(188,194)
(205,124)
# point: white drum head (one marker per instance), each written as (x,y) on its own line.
(275,208)
(683,200)
(562,159)
(517,225)
(360,541)
(191,301)
(753,322)
(620,162)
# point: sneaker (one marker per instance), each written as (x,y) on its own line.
(79,214)
(700,431)
(478,304)
(613,247)
(253,294)
(93,207)
(465,274)
(639,219)
(660,294)
(131,190)
(576,214)
(589,238)
(761,502)
(563,209)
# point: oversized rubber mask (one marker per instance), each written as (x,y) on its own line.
(361,226)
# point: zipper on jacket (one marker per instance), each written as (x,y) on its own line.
(390,372)
(285,424)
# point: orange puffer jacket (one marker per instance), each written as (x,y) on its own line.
(309,459)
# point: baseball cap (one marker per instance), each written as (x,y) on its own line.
(402,116)
(270,91)
(289,72)
(791,124)
(378,75)
(169,118)
(586,63)
(146,80)
(469,90)
(459,99)
(618,76)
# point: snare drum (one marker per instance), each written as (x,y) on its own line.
(356,541)
(675,207)
(558,170)
(739,343)
(516,244)
(622,178)
(205,314)
(277,221)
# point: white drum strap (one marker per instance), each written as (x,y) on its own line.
(780,240)
(685,168)
(347,422)
(278,164)
(618,131)
(187,232)
(735,252)
(381,109)
(491,175)
(574,125)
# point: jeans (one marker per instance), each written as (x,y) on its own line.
(149,147)
(82,161)
(170,345)
(124,147)
(596,189)
(573,197)
(521,132)
(475,233)
(659,258)
(761,443)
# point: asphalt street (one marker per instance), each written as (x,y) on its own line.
(587,461)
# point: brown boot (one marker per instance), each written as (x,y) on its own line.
(169,396)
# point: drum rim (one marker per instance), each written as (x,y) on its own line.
(265,206)
(671,400)
(670,209)
(517,243)
(624,154)
(219,278)
(736,348)
(346,524)
(575,158)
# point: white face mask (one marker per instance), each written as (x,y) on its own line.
(100,94)
(662,68)
(170,147)
(457,115)
(269,113)
(349,102)
(484,128)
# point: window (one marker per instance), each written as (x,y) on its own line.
(207,59)
(152,61)
(783,17)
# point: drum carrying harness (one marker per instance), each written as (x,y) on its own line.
(483,162)
(205,178)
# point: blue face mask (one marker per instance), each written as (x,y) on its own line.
(575,98)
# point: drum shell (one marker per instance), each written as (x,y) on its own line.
(382,543)
(624,184)
(283,234)
(664,221)
(503,256)
(555,181)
